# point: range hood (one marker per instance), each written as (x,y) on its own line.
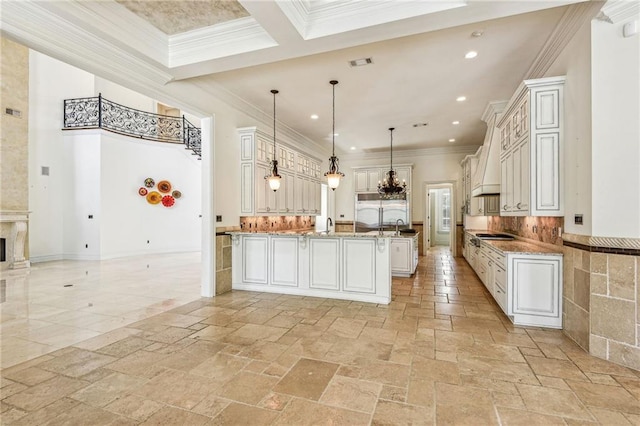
(486,180)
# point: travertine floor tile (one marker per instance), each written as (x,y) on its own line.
(442,352)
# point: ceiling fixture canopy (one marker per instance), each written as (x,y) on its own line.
(274,177)
(390,186)
(334,174)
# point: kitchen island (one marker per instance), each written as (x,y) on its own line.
(335,265)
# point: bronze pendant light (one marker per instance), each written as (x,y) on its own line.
(334,174)
(390,186)
(274,177)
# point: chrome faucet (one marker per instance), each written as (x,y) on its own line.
(397,226)
(329,223)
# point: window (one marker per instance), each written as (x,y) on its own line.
(445,210)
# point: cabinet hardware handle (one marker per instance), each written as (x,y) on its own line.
(490,263)
(504,207)
(268,209)
(518,205)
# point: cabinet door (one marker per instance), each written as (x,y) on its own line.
(284,261)
(506,190)
(373,176)
(301,204)
(254,259)
(286,194)
(313,196)
(360,179)
(404,175)
(247,188)
(401,255)
(262,189)
(524,165)
(324,255)
(535,286)
(492,205)
(359,265)
(547,185)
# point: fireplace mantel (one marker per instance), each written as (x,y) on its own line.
(16,236)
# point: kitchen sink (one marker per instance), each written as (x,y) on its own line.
(487,236)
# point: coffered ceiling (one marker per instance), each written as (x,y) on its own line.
(240,50)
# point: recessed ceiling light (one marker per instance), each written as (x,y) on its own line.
(452,140)
(314,116)
(461,98)
(477,33)
(471,54)
(360,62)
(455,123)
(353,148)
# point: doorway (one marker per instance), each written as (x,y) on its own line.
(439,218)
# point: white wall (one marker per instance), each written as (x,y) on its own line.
(616,131)
(127,221)
(426,168)
(575,63)
(49,83)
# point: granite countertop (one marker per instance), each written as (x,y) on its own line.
(314,234)
(518,246)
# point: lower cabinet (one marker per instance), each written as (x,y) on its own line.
(527,287)
(404,256)
(339,267)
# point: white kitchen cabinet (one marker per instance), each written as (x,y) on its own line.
(342,266)
(284,261)
(531,132)
(473,206)
(359,272)
(366,179)
(324,265)
(526,286)
(533,288)
(404,256)
(255,260)
(300,183)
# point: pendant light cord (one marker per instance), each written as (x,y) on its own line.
(274,123)
(333,128)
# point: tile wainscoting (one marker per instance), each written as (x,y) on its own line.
(602,299)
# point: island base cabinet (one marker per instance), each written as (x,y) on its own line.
(356,268)
(535,289)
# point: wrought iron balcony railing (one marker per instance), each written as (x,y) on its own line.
(98,112)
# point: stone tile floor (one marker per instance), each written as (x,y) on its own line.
(441,352)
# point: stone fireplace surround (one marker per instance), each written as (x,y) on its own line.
(13,227)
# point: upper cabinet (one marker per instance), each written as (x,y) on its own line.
(486,178)
(366,179)
(476,206)
(300,185)
(531,134)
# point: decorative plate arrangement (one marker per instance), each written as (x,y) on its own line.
(154,197)
(164,186)
(163,195)
(168,201)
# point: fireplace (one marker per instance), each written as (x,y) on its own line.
(13,237)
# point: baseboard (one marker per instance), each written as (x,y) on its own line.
(46,258)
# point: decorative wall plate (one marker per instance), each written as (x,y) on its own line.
(154,197)
(168,201)
(142,191)
(176,194)
(164,186)
(148,182)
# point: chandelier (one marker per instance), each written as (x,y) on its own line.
(390,186)
(274,177)
(334,174)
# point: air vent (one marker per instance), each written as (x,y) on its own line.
(360,62)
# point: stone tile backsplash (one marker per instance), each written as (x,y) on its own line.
(542,229)
(276,223)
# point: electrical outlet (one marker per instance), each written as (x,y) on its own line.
(86,246)
(218,218)
(578,219)
(90,216)
(342,216)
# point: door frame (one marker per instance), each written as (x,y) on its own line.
(452,185)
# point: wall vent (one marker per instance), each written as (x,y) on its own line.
(360,62)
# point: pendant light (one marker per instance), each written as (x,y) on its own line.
(390,186)
(334,174)
(274,177)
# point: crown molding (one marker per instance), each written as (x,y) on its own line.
(616,11)
(492,109)
(288,135)
(410,154)
(573,18)
(217,41)
(33,25)
(332,17)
